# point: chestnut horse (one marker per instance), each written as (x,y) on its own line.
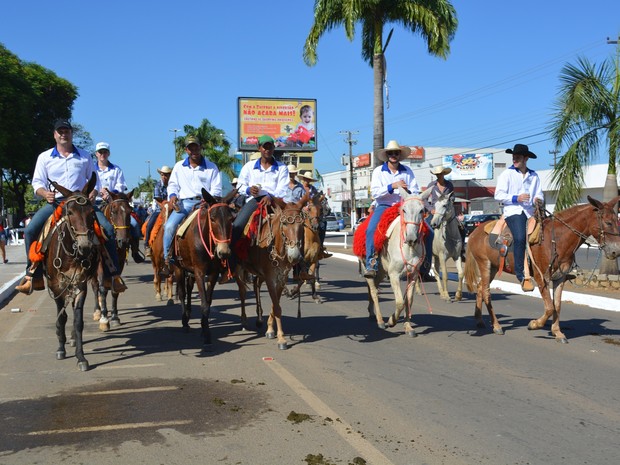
(71,258)
(118,212)
(201,251)
(562,234)
(270,259)
(402,253)
(157,253)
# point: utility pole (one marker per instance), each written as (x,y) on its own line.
(554,153)
(173,141)
(351,142)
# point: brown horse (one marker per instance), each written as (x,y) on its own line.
(271,258)
(118,212)
(71,258)
(157,253)
(562,234)
(202,252)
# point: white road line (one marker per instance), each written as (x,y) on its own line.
(130,391)
(370,453)
(124,367)
(91,429)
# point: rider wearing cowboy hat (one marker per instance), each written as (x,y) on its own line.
(518,189)
(160,193)
(295,190)
(386,179)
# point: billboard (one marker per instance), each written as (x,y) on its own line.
(417,153)
(291,122)
(469,166)
(361,160)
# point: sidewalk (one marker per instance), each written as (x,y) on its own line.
(12,272)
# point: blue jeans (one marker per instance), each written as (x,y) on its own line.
(32,231)
(428,246)
(174,220)
(370,236)
(518,227)
(134,228)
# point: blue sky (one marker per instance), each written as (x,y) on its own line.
(143,68)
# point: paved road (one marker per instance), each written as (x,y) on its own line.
(344,390)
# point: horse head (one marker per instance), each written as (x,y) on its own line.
(220,219)
(411,216)
(118,212)
(314,212)
(605,228)
(291,227)
(444,210)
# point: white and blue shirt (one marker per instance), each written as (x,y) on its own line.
(273,180)
(511,183)
(112,178)
(186,182)
(381,183)
(72,172)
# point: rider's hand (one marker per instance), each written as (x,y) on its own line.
(539,202)
(50,196)
(266,201)
(397,184)
(254,190)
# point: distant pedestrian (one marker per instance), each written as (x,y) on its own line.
(3,237)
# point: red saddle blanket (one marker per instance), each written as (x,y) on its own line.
(359,238)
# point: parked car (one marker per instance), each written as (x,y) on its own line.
(475,220)
(345,219)
(332,223)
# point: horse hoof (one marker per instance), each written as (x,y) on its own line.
(104,327)
(60,355)
(270,335)
(72,343)
(115,322)
(282,346)
(532,325)
(158,297)
(83,366)
(97,316)
(562,340)
(381,325)
(412,333)
(499,331)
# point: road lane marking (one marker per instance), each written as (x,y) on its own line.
(370,453)
(130,391)
(92,429)
(124,367)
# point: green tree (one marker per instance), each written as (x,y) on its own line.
(31,99)
(214,144)
(587,114)
(434,20)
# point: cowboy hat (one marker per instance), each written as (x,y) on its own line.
(292,169)
(306,175)
(521,149)
(393,147)
(235,181)
(164,170)
(441,170)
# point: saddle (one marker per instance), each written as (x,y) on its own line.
(186,222)
(258,230)
(500,238)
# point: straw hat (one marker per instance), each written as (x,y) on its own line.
(235,181)
(164,170)
(307,175)
(292,169)
(393,146)
(441,170)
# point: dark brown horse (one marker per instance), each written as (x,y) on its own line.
(118,212)
(562,234)
(271,257)
(201,252)
(70,260)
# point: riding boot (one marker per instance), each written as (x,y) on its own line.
(164,271)
(135,250)
(114,284)
(147,252)
(324,254)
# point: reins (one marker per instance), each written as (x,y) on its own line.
(213,240)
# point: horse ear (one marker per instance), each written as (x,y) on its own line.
(208,197)
(90,185)
(130,195)
(279,203)
(426,193)
(596,203)
(304,200)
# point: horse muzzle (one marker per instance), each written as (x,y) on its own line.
(293,254)
(223,251)
(612,250)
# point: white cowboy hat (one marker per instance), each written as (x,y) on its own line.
(164,170)
(306,175)
(391,147)
(235,181)
(292,169)
(441,170)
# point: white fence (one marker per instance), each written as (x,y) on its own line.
(331,235)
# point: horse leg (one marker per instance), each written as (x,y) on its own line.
(257,283)
(373,299)
(61,321)
(157,285)
(104,322)
(485,290)
(115,321)
(169,284)
(443,291)
(275,292)
(317,276)
(551,309)
(97,311)
(398,299)
(459,268)
(183,290)
(409,331)
(78,328)
(205,307)
(313,270)
(240,279)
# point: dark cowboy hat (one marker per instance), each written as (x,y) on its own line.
(521,149)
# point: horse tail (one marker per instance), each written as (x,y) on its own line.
(471,272)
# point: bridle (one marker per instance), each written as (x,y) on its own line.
(108,209)
(213,239)
(404,222)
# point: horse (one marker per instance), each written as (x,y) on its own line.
(201,251)
(312,252)
(270,258)
(118,211)
(447,243)
(157,254)
(70,260)
(553,258)
(402,252)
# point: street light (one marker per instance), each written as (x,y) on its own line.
(173,140)
(149,163)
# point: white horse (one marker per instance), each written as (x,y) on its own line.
(446,244)
(403,252)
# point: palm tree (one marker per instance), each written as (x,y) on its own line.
(434,20)
(587,114)
(214,144)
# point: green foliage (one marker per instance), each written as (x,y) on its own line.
(586,114)
(146,185)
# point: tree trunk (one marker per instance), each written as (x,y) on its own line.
(378,134)
(610,190)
